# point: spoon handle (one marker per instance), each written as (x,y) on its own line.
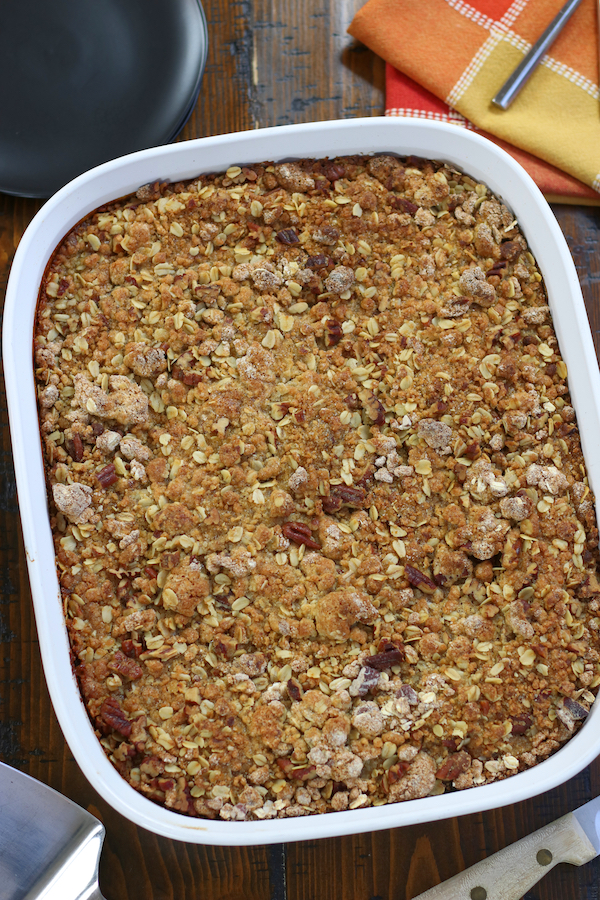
(524,70)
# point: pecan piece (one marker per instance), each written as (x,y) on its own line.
(366,681)
(125,666)
(409,692)
(327,235)
(417,162)
(294,689)
(374,409)
(222,601)
(498,268)
(576,709)
(112,715)
(460,471)
(418,579)
(317,262)
(510,250)
(299,533)
(131,649)
(397,772)
(297,773)
(304,773)
(107,475)
(473,450)
(75,448)
(437,408)
(129,749)
(165,784)
(455,765)
(206,293)
(403,204)
(390,657)
(342,495)
(285,764)
(182,370)
(287,236)
(332,504)
(170,560)
(333,172)
(333,333)
(521,723)
(151,191)
(225,646)
(152,766)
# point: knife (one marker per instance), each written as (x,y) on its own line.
(49,846)
(510,873)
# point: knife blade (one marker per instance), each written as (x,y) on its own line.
(511,872)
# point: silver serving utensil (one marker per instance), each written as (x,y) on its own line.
(510,873)
(524,70)
(49,846)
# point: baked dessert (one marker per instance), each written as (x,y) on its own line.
(322,523)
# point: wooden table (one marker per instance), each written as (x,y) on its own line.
(269,64)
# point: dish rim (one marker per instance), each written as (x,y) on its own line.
(445,142)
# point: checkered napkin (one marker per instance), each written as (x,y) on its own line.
(448,58)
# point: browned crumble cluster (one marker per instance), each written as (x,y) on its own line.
(322,523)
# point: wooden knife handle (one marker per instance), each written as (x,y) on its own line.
(511,872)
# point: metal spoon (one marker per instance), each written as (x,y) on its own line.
(524,70)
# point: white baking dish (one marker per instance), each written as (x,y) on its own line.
(449,143)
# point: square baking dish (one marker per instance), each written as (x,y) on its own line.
(447,143)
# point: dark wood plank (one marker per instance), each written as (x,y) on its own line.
(306,68)
(222,106)
(581,226)
(269,64)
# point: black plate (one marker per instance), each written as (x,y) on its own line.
(85,81)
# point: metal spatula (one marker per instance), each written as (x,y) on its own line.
(49,846)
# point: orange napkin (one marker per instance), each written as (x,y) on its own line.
(447,59)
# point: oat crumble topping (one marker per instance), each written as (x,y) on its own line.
(322,523)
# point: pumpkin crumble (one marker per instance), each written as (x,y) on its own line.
(321,517)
